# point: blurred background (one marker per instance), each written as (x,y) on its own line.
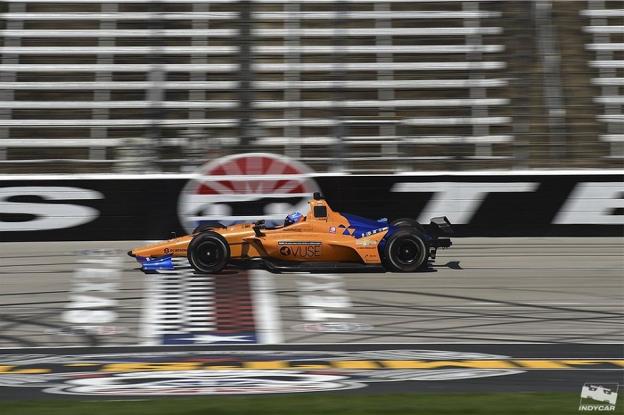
(355,86)
(346,86)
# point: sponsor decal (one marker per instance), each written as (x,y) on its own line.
(305,251)
(598,397)
(365,243)
(374,231)
(315,243)
(24,208)
(588,203)
(459,201)
(300,249)
(246,187)
(249,187)
(593,203)
(173,250)
(332,229)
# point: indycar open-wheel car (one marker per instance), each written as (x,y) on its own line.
(320,239)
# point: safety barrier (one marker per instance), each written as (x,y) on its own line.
(124,207)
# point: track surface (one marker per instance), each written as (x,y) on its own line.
(490,290)
(564,291)
(481,290)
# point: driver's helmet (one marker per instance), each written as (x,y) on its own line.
(293,218)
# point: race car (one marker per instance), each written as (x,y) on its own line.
(320,239)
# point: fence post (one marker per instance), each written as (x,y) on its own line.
(156,76)
(552,91)
(340,40)
(245,58)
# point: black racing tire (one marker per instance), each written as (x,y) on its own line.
(405,251)
(408,223)
(208,252)
(207,226)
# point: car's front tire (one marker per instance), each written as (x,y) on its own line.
(405,251)
(208,252)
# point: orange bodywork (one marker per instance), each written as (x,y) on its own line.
(317,238)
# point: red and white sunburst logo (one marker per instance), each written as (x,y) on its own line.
(246,187)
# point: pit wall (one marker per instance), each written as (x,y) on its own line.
(132,207)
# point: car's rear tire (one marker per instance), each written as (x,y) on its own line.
(208,252)
(407,223)
(405,251)
(207,226)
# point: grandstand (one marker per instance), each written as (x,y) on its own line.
(367,85)
(607,44)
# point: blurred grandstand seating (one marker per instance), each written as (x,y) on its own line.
(607,43)
(361,85)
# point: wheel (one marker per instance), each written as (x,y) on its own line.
(407,223)
(405,251)
(208,252)
(207,226)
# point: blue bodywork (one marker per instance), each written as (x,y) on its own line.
(154,264)
(364,225)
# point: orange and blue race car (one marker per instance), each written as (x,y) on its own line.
(320,240)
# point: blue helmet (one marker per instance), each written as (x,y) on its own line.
(293,218)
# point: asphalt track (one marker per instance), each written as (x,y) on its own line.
(496,296)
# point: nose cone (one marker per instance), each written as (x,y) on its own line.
(175,247)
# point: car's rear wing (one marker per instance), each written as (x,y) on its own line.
(440,230)
(441,226)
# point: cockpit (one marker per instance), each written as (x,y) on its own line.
(318,211)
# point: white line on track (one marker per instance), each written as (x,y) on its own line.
(300,346)
(147,327)
(268,319)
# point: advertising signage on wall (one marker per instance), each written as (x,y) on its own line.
(263,186)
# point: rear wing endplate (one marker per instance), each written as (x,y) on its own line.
(441,226)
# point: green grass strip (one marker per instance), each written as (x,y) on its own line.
(308,404)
